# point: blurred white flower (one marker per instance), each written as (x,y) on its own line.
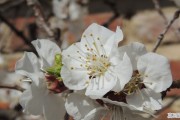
(1,60)
(38,99)
(151,76)
(177,2)
(10,79)
(29,65)
(60,8)
(80,107)
(67,9)
(94,63)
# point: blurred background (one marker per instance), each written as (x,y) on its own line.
(63,21)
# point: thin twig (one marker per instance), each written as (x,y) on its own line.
(161,13)
(66,116)
(15,87)
(167,106)
(40,17)
(175,84)
(158,8)
(161,36)
(17,32)
(116,14)
(11,4)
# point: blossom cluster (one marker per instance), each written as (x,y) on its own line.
(94,78)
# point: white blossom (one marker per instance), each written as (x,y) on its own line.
(151,76)
(81,107)
(94,63)
(68,9)
(38,99)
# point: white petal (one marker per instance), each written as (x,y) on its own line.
(94,37)
(29,66)
(157,71)
(118,35)
(129,114)
(106,100)
(25,98)
(35,105)
(97,114)
(111,46)
(98,31)
(99,86)
(134,51)
(73,52)
(74,79)
(54,108)
(146,99)
(78,105)
(47,51)
(124,73)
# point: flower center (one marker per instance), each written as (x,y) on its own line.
(134,84)
(97,65)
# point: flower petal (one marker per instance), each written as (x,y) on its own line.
(94,37)
(47,51)
(74,79)
(157,71)
(111,46)
(54,108)
(129,114)
(34,106)
(78,106)
(99,86)
(124,73)
(146,99)
(25,97)
(73,52)
(116,103)
(99,113)
(29,66)
(134,51)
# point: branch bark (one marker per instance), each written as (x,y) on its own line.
(40,17)
(17,32)
(15,87)
(161,36)
(159,10)
(113,7)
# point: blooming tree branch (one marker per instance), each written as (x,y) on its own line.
(161,36)
(14,87)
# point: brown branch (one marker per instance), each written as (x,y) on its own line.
(15,87)
(158,8)
(116,14)
(167,106)
(40,17)
(161,36)
(175,85)
(17,32)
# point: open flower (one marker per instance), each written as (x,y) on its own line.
(151,76)
(94,63)
(81,107)
(38,99)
